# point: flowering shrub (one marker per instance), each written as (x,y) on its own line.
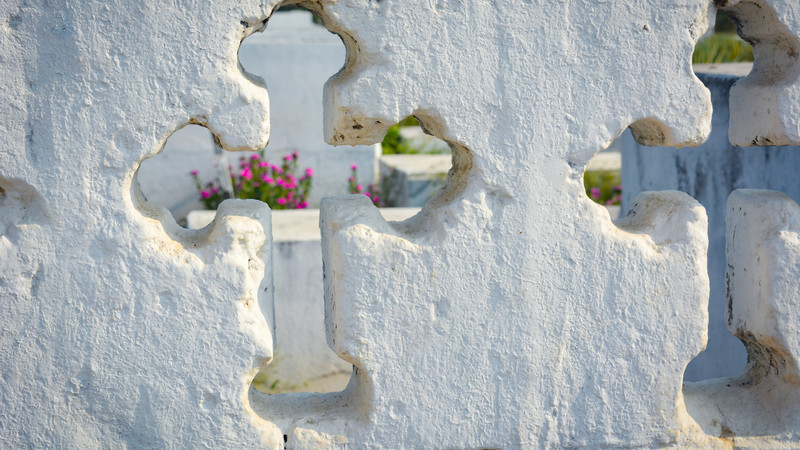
(372,192)
(258,179)
(603,186)
(211,194)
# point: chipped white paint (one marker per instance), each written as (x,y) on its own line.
(765,106)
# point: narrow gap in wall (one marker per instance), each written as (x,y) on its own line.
(602,178)
(169,179)
(722,50)
(294,56)
(413,167)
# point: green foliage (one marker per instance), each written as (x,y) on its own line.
(603,186)
(722,48)
(394,144)
(409,121)
(724,24)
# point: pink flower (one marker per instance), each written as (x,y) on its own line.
(375,199)
(214,190)
(351,179)
(368,194)
(302,205)
(359,188)
(287,157)
(263,164)
(246,173)
(353,167)
(205,194)
(266,179)
(294,154)
(309,172)
(253,156)
(595,192)
(194,173)
(281,201)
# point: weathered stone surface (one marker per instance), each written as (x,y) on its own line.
(762,406)
(511,299)
(510,312)
(765,106)
(709,173)
(117,327)
(303,361)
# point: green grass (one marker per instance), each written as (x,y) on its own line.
(722,48)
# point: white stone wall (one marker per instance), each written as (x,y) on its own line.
(522,340)
(709,174)
(303,361)
(510,312)
(294,57)
(117,327)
